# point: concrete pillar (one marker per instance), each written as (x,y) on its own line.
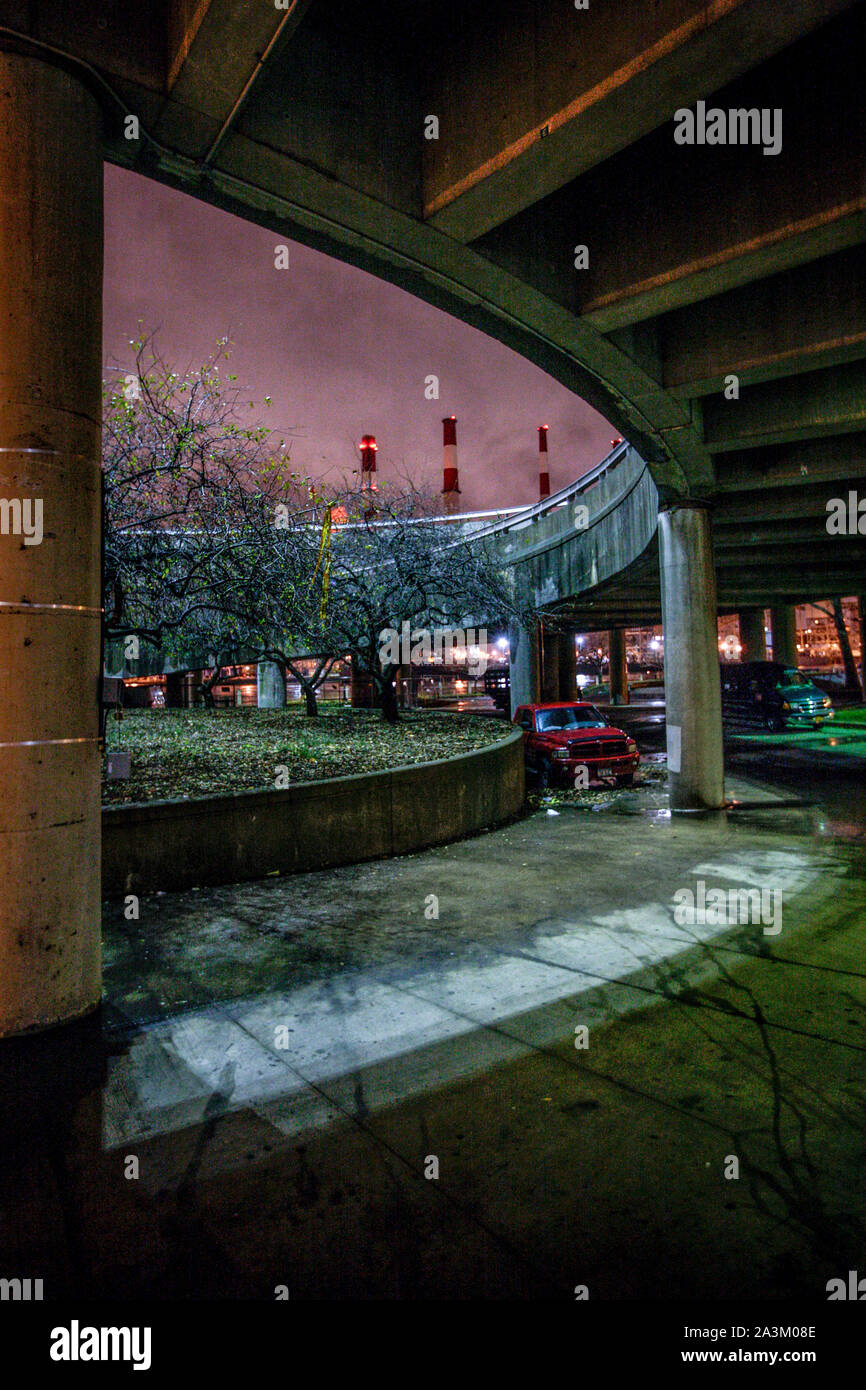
(174,684)
(862,605)
(270,686)
(50,426)
(567,667)
(549,662)
(523,666)
(783,622)
(692,682)
(753,638)
(618,667)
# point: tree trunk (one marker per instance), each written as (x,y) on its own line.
(852,680)
(390,706)
(206,687)
(308,687)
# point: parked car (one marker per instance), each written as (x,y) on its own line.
(560,738)
(772,694)
(497,684)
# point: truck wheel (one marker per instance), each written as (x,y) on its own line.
(774,723)
(544,774)
(625,780)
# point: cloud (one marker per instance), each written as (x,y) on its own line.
(340,352)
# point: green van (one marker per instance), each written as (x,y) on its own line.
(772,694)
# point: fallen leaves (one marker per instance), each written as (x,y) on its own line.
(187,753)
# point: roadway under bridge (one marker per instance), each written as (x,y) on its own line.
(518,165)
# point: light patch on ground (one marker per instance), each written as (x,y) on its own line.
(343,1028)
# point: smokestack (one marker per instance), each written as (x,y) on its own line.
(368,448)
(543,472)
(450,481)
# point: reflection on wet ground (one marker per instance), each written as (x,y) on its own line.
(825,768)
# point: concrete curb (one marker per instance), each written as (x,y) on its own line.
(171,845)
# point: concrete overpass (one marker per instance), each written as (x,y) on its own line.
(515,165)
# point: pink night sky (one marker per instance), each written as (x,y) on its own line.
(340,352)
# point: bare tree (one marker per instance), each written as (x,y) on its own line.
(387,563)
(189,490)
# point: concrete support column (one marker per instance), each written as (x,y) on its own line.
(862,608)
(783,622)
(50,658)
(692,683)
(753,638)
(618,667)
(523,666)
(549,661)
(567,667)
(270,686)
(174,683)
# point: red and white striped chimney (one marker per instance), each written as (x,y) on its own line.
(543,472)
(450,479)
(368,448)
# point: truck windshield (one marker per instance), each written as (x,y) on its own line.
(790,676)
(570,717)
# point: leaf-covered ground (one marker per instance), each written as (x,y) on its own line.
(185,753)
(647,777)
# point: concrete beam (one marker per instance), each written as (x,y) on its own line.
(802,320)
(532,95)
(777,509)
(828,402)
(792,465)
(667,225)
(758,585)
(184,21)
(126,42)
(219,51)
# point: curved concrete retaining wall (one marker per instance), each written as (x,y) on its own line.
(311,825)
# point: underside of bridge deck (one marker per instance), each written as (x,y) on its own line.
(718,317)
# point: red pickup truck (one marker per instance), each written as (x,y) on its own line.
(561,739)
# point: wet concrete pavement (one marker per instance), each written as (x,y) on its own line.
(328,1087)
